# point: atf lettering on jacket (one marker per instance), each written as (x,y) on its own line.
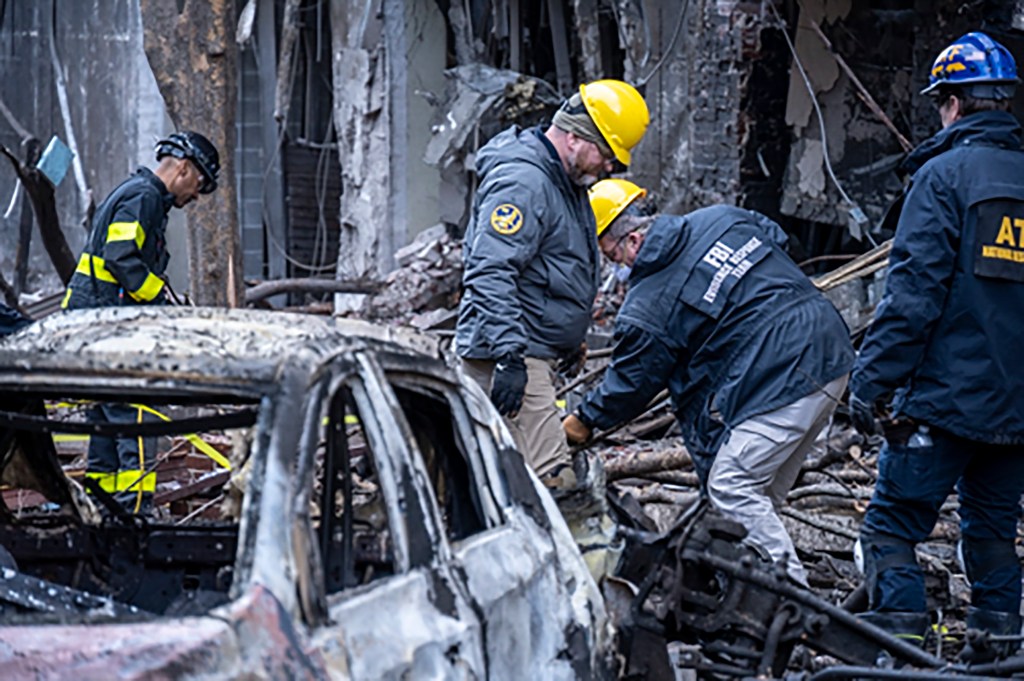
(999,241)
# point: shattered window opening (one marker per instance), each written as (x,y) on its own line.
(353,536)
(444,456)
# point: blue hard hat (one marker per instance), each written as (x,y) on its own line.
(978,64)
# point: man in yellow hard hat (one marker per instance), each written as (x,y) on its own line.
(754,357)
(531,258)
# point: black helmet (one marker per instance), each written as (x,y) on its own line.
(196,148)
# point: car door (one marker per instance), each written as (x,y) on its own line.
(391,608)
(539,613)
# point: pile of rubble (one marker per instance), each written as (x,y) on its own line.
(425,283)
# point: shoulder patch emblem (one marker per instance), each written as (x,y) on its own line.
(506,219)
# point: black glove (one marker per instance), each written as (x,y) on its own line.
(864,417)
(509,384)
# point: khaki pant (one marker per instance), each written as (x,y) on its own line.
(757,466)
(537,428)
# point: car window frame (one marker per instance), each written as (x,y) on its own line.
(387,438)
(491,506)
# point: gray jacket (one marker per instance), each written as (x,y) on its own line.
(530,254)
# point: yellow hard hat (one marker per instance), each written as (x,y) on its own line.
(619,112)
(608,198)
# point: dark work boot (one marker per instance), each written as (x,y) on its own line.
(908,626)
(136,504)
(981,626)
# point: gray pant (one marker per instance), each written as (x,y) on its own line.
(537,428)
(123,466)
(757,466)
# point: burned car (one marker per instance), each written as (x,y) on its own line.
(333,500)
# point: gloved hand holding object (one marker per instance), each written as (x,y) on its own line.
(576,432)
(509,384)
(864,417)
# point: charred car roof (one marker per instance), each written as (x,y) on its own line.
(197,345)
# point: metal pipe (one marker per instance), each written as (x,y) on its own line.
(772,638)
(851,672)
(893,645)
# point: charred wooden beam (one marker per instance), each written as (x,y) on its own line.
(201,485)
(640,464)
(268,289)
(40,193)
(33,151)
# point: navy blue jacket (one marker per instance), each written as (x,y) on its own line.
(530,254)
(718,312)
(947,335)
(126,253)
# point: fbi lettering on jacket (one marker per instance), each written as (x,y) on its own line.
(728,261)
(999,251)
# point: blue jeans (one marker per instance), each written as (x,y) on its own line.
(913,482)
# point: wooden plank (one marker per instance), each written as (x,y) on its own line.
(204,483)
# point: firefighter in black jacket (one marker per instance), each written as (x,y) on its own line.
(123,264)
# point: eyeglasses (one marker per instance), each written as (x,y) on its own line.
(614,250)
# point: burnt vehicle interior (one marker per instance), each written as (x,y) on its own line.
(445,457)
(349,513)
(71,551)
(74,547)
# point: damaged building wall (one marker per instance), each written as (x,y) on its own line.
(362,123)
(732,120)
(890,50)
(709,71)
(861,149)
(387,66)
(417,78)
(695,153)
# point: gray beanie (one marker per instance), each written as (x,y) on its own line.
(573,117)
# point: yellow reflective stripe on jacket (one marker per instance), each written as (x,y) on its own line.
(350,420)
(99,268)
(126,231)
(68,437)
(124,481)
(67,297)
(149,290)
